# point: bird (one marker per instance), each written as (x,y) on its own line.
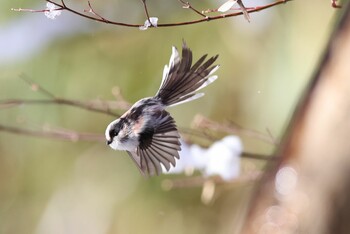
(147,132)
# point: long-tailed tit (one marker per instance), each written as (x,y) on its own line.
(147,131)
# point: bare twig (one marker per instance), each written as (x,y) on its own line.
(35,11)
(71,135)
(203,122)
(62,135)
(187,5)
(272,137)
(98,106)
(146,12)
(36,87)
(244,10)
(95,106)
(92,11)
(104,20)
(194,132)
(199,181)
(63,4)
(96,17)
(258,156)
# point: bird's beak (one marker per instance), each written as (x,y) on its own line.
(108,142)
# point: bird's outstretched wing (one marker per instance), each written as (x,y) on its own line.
(181,80)
(158,146)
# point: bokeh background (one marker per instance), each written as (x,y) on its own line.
(55,186)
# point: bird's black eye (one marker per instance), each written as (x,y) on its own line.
(114,131)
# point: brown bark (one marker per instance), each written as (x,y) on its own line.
(308,190)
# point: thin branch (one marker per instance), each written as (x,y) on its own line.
(255,9)
(71,135)
(244,10)
(146,12)
(99,18)
(194,132)
(233,128)
(94,106)
(36,87)
(63,4)
(258,156)
(65,7)
(199,181)
(272,137)
(187,5)
(36,11)
(67,135)
(92,11)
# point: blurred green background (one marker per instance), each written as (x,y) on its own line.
(54,186)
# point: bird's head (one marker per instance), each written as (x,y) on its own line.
(112,132)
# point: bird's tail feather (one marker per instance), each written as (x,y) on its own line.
(181,80)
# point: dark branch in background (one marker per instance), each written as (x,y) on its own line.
(70,135)
(310,181)
(232,128)
(199,181)
(95,106)
(258,156)
(36,87)
(53,133)
(67,135)
(103,107)
(209,184)
(62,6)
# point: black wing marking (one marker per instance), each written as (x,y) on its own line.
(160,147)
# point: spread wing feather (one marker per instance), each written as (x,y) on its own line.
(181,80)
(162,148)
